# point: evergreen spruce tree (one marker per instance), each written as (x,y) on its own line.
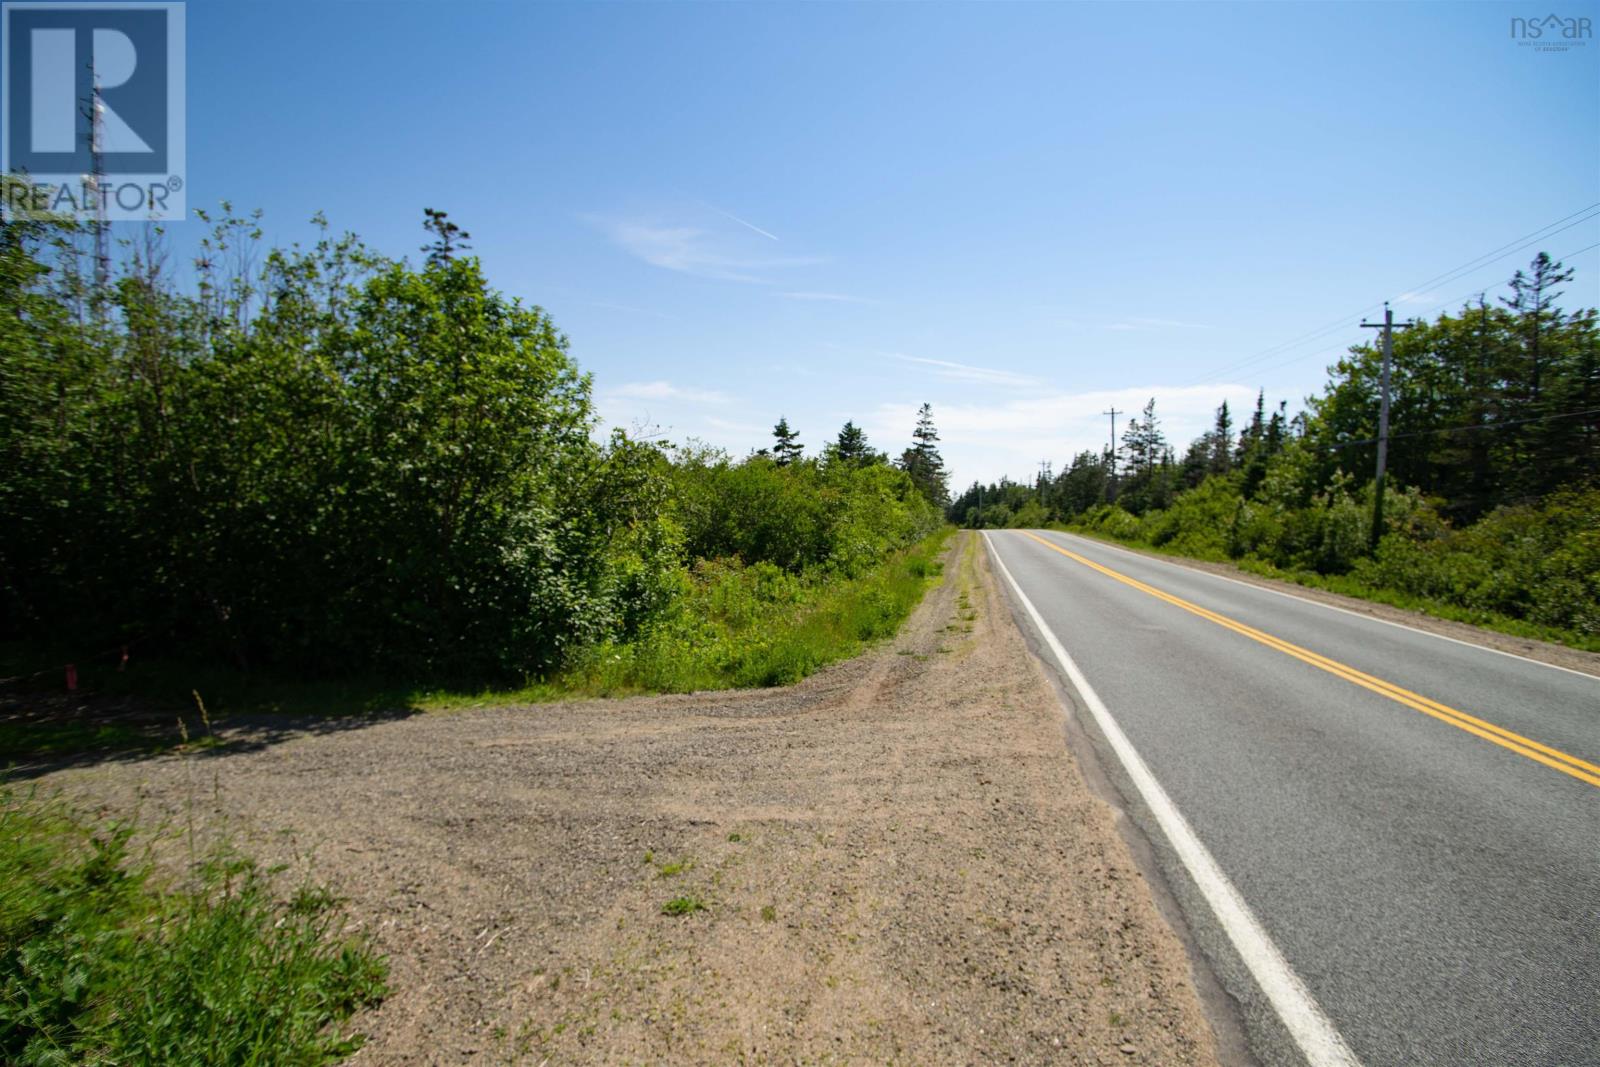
(851,448)
(923,462)
(1222,441)
(786,446)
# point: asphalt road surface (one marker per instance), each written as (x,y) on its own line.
(1385,843)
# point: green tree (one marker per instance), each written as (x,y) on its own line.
(448,238)
(851,448)
(923,462)
(786,446)
(1221,457)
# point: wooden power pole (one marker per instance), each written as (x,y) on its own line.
(1388,326)
(1111,480)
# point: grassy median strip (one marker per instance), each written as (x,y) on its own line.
(104,961)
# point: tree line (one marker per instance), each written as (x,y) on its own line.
(323,459)
(1494,465)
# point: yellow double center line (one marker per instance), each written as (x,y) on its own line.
(1550,757)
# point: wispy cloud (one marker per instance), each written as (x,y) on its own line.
(1417,298)
(1156,324)
(742,222)
(746,429)
(837,298)
(663,390)
(691,250)
(1011,435)
(966,372)
(608,305)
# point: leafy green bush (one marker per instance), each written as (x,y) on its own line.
(339,463)
(799,515)
(1534,563)
(1030,516)
(101,963)
(1540,563)
(759,625)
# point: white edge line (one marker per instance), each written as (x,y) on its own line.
(1331,607)
(1318,1040)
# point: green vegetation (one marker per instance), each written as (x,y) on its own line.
(731,625)
(685,905)
(43,740)
(739,625)
(1491,514)
(336,466)
(101,962)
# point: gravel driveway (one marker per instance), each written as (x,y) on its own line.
(894,861)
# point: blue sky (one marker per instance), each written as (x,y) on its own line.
(1022,214)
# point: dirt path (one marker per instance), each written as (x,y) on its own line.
(898,861)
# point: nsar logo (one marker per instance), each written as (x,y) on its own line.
(1553,33)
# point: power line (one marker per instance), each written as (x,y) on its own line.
(1519,245)
(1538,234)
(1476,263)
(1341,347)
(1507,424)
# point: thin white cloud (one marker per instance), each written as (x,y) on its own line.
(837,298)
(747,429)
(608,305)
(1010,437)
(747,225)
(1418,298)
(1156,324)
(690,250)
(663,390)
(966,372)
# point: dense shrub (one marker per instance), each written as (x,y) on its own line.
(340,464)
(759,624)
(798,516)
(375,467)
(1540,563)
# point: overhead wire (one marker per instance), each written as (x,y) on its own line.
(1299,357)
(1474,264)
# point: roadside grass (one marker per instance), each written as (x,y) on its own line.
(102,960)
(745,627)
(1345,585)
(668,870)
(44,740)
(684,905)
(737,627)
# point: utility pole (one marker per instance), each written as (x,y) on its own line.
(1111,480)
(1388,326)
(97,119)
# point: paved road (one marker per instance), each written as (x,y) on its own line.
(1429,882)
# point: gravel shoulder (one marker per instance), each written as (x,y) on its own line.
(894,861)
